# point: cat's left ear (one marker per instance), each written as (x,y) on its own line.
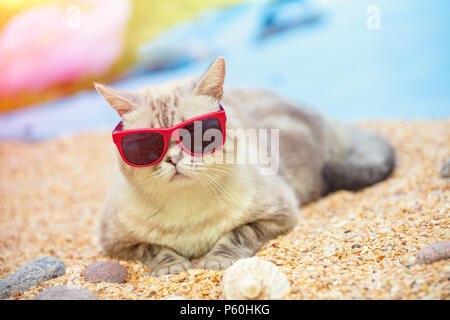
(211,83)
(122,101)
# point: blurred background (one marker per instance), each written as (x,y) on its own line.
(351,59)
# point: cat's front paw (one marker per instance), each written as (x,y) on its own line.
(215,262)
(176,267)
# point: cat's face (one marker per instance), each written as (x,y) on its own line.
(164,106)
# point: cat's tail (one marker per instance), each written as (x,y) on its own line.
(367,158)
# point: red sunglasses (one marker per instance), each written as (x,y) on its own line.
(198,136)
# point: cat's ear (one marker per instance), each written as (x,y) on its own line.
(211,83)
(122,101)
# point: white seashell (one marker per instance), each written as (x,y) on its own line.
(254,279)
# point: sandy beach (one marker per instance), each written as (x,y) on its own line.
(348,245)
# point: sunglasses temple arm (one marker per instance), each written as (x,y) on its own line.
(118,127)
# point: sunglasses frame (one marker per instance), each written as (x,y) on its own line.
(169,133)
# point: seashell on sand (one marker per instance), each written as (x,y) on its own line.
(254,279)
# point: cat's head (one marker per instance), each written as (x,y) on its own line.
(164,106)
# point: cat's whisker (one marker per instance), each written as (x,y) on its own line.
(232,173)
(211,191)
(230,195)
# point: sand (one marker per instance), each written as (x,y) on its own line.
(348,245)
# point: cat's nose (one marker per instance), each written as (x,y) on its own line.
(174,158)
(174,153)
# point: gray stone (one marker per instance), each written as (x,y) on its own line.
(434,252)
(31,274)
(66,293)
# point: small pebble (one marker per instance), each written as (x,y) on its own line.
(445,170)
(31,274)
(434,252)
(107,271)
(355,246)
(66,293)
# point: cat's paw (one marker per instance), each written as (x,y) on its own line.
(215,263)
(173,268)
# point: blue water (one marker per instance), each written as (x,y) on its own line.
(336,64)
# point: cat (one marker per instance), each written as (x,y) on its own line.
(185,207)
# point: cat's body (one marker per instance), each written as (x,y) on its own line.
(318,155)
(223,212)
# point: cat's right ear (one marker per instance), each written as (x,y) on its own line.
(211,83)
(122,101)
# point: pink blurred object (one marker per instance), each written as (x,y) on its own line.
(46,45)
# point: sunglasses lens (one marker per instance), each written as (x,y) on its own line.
(202,136)
(142,148)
